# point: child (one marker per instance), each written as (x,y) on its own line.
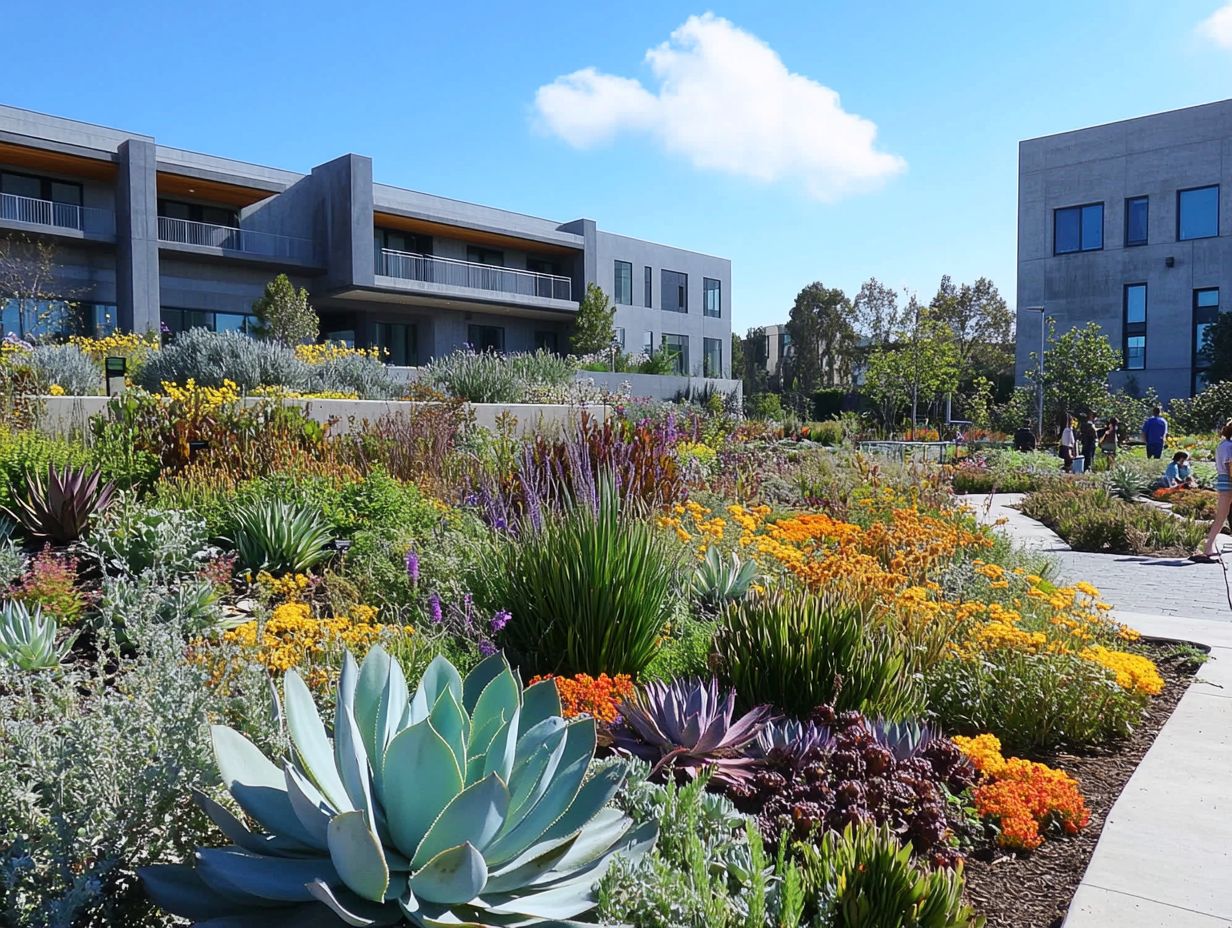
(1178,473)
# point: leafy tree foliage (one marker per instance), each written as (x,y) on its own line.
(823,340)
(875,312)
(921,365)
(1218,347)
(1076,369)
(594,327)
(284,314)
(982,323)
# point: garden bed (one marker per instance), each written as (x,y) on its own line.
(1034,890)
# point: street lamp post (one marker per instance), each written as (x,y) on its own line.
(1040,409)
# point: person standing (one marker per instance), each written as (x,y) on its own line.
(1154,431)
(1223,487)
(1024,438)
(1067,444)
(1087,436)
(1108,443)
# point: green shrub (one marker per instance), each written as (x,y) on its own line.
(796,651)
(765,406)
(135,539)
(828,434)
(23,452)
(685,649)
(209,358)
(1091,518)
(278,537)
(490,377)
(1209,410)
(589,593)
(365,376)
(1032,702)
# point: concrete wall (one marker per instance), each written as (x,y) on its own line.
(1153,156)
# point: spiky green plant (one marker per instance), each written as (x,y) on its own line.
(464,803)
(28,639)
(278,537)
(59,510)
(719,580)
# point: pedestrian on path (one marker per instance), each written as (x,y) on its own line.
(1154,432)
(1108,443)
(1088,436)
(1223,486)
(1067,444)
(1024,438)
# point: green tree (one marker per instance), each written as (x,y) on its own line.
(594,327)
(284,314)
(737,356)
(920,366)
(875,312)
(1076,369)
(983,327)
(1217,346)
(823,341)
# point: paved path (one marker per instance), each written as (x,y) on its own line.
(1165,853)
(1154,585)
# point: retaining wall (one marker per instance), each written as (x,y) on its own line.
(655,386)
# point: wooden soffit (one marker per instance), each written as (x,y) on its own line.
(473,236)
(42,161)
(181,186)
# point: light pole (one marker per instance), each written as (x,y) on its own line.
(1043,316)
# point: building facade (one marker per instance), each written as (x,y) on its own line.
(1129,225)
(144,236)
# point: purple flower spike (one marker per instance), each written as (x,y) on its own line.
(434,609)
(487,648)
(500,620)
(412,566)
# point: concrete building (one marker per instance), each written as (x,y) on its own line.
(146,235)
(1130,225)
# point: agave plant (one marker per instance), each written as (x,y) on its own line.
(60,509)
(792,740)
(464,803)
(278,537)
(904,739)
(28,639)
(688,724)
(719,580)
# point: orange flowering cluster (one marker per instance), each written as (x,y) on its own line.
(599,697)
(1025,797)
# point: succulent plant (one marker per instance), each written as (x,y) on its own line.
(278,537)
(59,510)
(687,724)
(28,639)
(904,739)
(719,580)
(792,740)
(464,803)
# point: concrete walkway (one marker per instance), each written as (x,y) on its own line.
(1164,857)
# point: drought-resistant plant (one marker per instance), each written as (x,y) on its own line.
(362,374)
(491,377)
(464,802)
(59,509)
(134,539)
(796,650)
(590,592)
(67,368)
(28,638)
(689,726)
(278,537)
(721,579)
(1126,483)
(210,358)
(873,883)
(51,583)
(284,314)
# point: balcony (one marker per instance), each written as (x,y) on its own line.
(451,272)
(241,241)
(56,216)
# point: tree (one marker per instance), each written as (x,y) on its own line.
(753,369)
(822,340)
(982,323)
(737,356)
(30,288)
(594,326)
(284,315)
(1076,369)
(875,311)
(1217,346)
(921,365)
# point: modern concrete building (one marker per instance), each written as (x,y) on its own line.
(145,235)
(1130,225)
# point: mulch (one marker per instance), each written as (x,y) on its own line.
(1034,890)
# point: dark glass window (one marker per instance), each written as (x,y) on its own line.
(647,287)
(199,212)
(400,240)
(712,357)
(1078,228)
(712,297)
(64,197)
(177,320)
(622,283)
(1134,327)
(398,341)
(647,343)
(546,341)
(490,256)
(676,347)
(620,337)
(542,265)
(1197,213)
(1137,210)
(486,337)
(675,292)
(1205,312)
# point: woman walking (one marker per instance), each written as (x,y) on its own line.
(1223,504)
(1108,443)
(1067,444)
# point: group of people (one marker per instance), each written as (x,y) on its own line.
(1088,437)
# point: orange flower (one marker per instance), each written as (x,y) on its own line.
(582,694)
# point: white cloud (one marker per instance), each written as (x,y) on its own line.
(726,102)
(1218,26)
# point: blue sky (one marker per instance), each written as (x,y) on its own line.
(783,181)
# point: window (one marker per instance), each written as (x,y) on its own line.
(543,265)
(398,342)
(64,197)
(619,338)
(712,357)
(57,318)
(1137,210)
(1134,328)
(486,337)
(676,347)
(489,256)
(177,320)
(712,297)
(411,249)
(546,341)
(199,212)
(397,240)
(675,293)
(1078,228)
(647,287)
(1205,312)
(1197,213)
(647,343)
(622,283)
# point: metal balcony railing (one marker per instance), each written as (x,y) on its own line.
(431,269)
(246,241)
(57,215)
